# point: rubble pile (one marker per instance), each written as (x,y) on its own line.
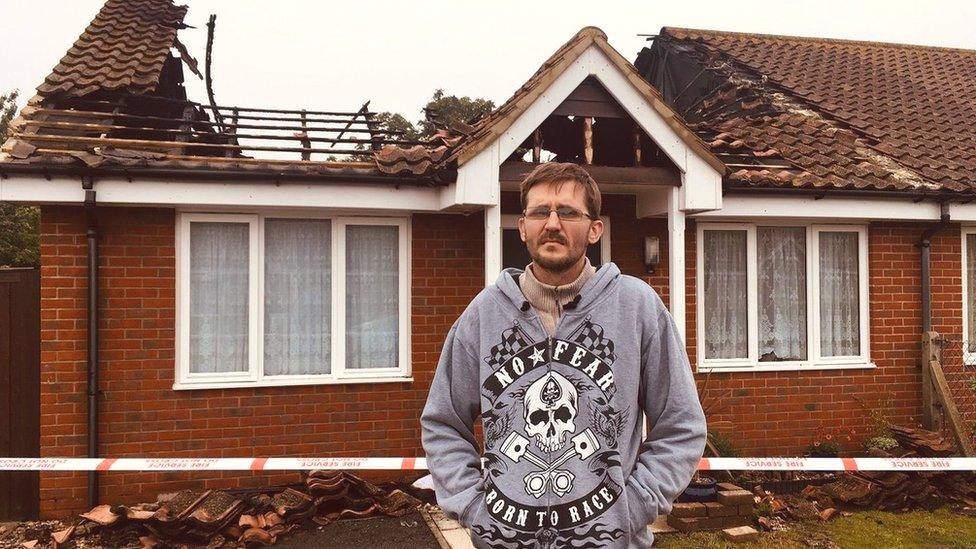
(902,490)
(220,519)
(876,490)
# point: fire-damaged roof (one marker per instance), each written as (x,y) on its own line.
(786,111)
(116,103)
(489,128)
(123,49)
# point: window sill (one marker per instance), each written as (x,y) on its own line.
(792,367)
(188,386)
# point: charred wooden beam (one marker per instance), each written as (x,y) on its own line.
(306,142)
(200,134)
(88,115)
(588,140)
(537,145)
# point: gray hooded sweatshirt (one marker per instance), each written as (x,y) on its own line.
(565,462)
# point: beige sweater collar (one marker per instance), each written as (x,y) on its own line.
(544,297)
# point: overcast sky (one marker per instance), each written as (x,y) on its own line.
(332,55)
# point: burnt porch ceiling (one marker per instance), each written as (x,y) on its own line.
(591,128)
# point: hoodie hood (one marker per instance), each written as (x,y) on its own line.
(605,275)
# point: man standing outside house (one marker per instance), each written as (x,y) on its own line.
(561,360)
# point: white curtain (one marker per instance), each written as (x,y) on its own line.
(219,254)
(297,296)
(839,307)
(372,296)
(782,280)
(725,294)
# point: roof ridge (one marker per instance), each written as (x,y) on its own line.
(899,45)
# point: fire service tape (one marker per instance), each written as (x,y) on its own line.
(411,464)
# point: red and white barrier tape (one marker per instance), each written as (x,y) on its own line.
(411,464)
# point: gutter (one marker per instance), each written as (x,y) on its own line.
(92,378)
(916,195)
(926,245)
(439,180)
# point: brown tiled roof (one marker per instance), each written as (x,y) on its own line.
(833,113)
(123,49)
(107,108)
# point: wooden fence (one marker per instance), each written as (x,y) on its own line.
(19,388)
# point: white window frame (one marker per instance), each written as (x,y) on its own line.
(969,358)
(510,221)
(254,377)
(814,361)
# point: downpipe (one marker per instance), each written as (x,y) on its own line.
(92,236)
(926,245)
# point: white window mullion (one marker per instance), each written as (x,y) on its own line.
(813,298)
(339,299)
(814,334)
(404,300)
(967,296)
(255,306)
(863,284)
(752,278)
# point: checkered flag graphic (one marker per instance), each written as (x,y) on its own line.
(590,335)
(513,340)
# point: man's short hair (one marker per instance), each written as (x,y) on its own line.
(559,173)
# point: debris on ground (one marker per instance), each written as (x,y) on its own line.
(875,490)
(218,519)
(741,534)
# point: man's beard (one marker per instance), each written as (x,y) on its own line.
(557,265)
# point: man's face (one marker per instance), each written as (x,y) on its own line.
(554,244)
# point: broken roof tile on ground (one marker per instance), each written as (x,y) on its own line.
(820,113)
(216,518)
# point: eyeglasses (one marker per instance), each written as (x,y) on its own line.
(564,213)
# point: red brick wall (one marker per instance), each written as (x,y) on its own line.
(141,415)
(768,413)
(780,413)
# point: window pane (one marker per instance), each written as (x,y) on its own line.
(297,296)
(782,282)
(372,296)
(839,306)
(725,294)
(219,297)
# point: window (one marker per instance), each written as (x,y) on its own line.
(514,253)
(277,300)
(782,296)
(969,293)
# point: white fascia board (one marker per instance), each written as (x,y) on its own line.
(174,192)
(477,181)
(701,186)
(833,208)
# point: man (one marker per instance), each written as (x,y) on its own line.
(560,361)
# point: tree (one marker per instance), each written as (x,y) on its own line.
(19,225)
(441,110)
(448,109)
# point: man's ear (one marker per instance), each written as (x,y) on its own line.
(595,232)
(521,228)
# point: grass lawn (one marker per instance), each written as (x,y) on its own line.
(941,528)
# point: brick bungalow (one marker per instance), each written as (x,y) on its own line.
(785,196)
